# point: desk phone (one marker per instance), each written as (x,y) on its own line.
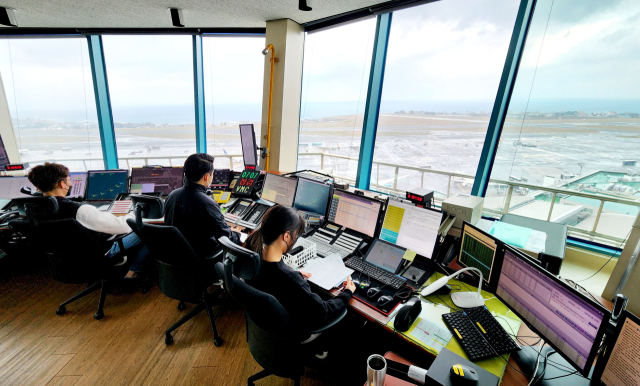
(252,217)
(238,209)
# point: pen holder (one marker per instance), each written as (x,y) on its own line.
(376,370)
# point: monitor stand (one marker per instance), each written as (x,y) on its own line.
(528,356)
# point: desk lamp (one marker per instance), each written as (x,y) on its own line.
(460,299)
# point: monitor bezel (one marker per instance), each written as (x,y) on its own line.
(326,207)
(601,330)
(254,146)
(86,192)
(130,178)
(382,210)
(374,242)
(264,184)
(498,259)
(384,216)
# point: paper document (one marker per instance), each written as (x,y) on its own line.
(327,273)
(510,234)
(537,241)
(431,335)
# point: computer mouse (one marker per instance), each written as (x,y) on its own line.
(384,300)
(445,290)
(373,292)
(463,375)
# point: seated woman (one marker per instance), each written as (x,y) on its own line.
(276,236)
(53,181)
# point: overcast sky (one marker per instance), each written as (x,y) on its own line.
(447,50)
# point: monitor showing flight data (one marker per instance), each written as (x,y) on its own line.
(312,196)
(567,320)
(623,365)
(162,180)
(78,184)
(278,189)
(10,187)
(385,255)
(411,227)
(355,212)
(106,184)
(249,148)
(478,250)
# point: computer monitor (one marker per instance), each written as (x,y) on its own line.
(312,196)
(479,250)
(622,366)
(355,212)
(385,255)
(411,227)
(78,184)
(103,185)
(162,180)
(567,320)
(10,187)
(278,189)
(249,148)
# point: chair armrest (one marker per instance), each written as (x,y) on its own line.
(330,324)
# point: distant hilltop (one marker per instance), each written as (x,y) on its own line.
(523,114)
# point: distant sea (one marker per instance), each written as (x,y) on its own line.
(314,110)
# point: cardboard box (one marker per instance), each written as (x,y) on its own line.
(465,207)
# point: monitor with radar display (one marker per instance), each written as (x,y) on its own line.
(411,227)
(312,196)
(478,250)
(567,320)
(355,212)
(279,189)
(623,363)
(162,180)
(249,148)
(104,185)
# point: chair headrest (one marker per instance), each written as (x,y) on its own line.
(36,206)
(27,190)
(150,207)
(245,263)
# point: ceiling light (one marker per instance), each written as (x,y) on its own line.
(305,5)
(176,17)
(8,17)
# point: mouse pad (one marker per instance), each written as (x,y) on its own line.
(439,373)
(388,291)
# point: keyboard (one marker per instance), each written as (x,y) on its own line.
(479,333)
(324,249)
(374,272)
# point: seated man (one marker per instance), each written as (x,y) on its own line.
(53,181)
(196,215)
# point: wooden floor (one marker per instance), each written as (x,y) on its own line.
(38,347)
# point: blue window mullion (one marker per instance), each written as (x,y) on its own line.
(198,95)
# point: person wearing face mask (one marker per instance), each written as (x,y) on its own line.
(196,215)
(277,234)
(53,181)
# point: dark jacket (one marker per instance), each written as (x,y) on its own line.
(198,217)
(307,310)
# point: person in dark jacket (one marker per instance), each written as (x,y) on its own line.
(196,215)
(277,234)
(53,181)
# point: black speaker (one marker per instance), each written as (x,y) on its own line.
(619,304)
(176,17)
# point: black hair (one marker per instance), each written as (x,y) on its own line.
(197,165)
(47,177)
(277,221)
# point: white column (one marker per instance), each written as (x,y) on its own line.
(6,128)
(287,38)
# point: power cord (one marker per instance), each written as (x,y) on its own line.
(610,258)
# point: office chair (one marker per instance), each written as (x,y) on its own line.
(80,260)
(274,340)
(180,274)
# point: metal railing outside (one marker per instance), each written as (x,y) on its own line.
(130,160)
(590,234)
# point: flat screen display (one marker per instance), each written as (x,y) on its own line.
(312,196)
(355,212)
(162,180)
(106,184)
(411,227)
(278,189)
(249,149)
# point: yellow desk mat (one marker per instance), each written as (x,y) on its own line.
(433,308)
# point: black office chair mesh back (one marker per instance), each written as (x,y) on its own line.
(76,259)
(178,275)
(273,339)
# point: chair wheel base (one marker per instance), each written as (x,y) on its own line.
(182,306)
(217,341)
(168,339)
(98,315)
(61,310)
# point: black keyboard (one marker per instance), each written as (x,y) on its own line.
(479,334)
(374,272)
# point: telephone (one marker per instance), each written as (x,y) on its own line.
(221,197)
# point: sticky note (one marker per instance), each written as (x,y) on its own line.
(409,255)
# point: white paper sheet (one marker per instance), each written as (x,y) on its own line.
(327,273)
